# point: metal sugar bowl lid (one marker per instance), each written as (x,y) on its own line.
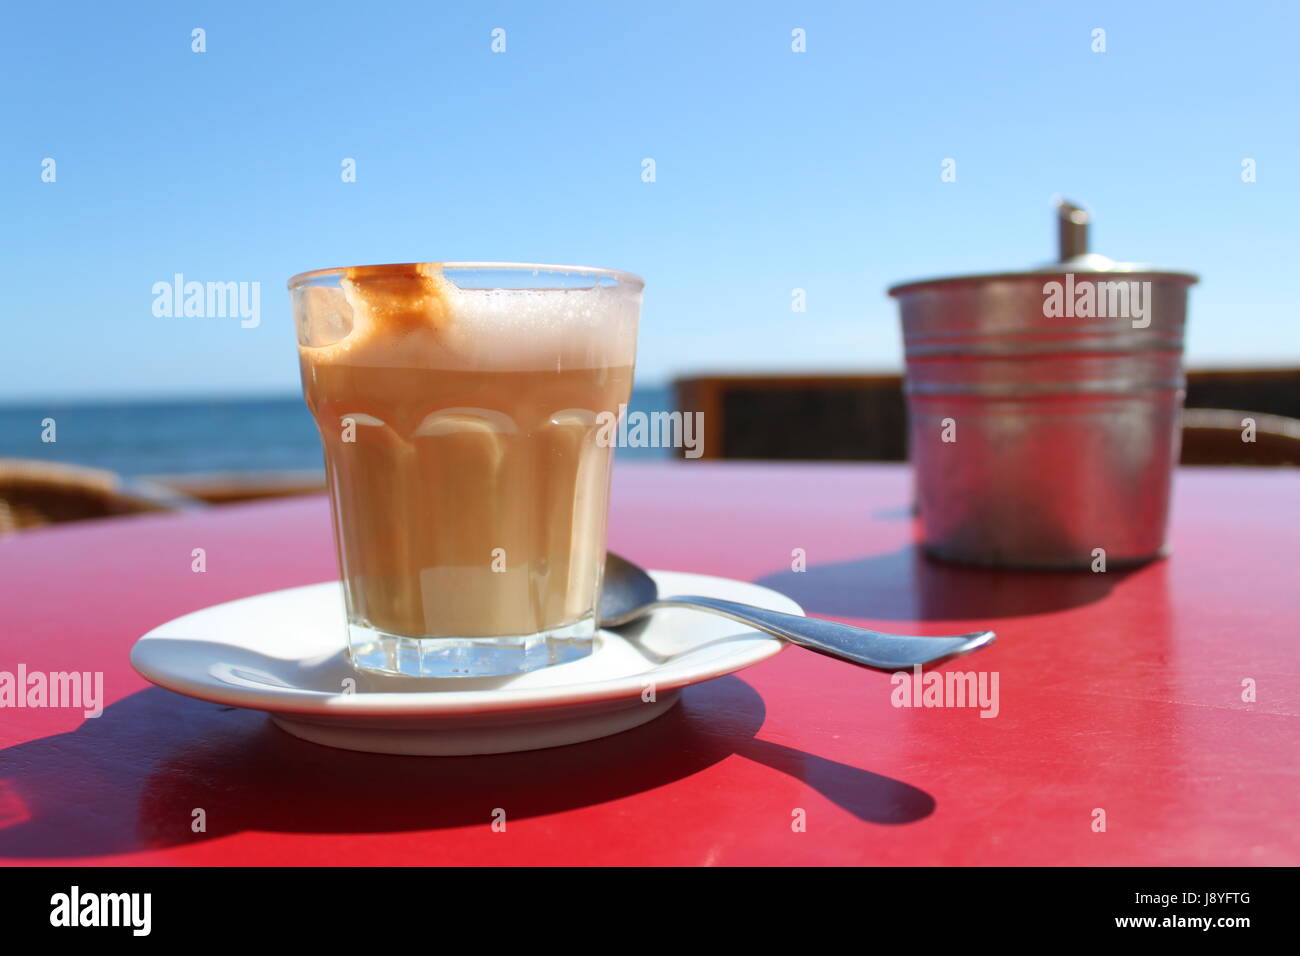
(1072,222)
(1082,301)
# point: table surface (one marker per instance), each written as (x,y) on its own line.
(1118,693)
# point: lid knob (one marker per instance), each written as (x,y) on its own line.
(1071,230)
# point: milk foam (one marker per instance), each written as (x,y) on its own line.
(416,318)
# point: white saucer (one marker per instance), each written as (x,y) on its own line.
(284,652)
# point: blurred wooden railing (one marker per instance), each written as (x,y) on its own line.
(864,418)
(804,417)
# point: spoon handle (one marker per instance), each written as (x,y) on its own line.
(886,652)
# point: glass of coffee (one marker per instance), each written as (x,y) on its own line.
(467,413)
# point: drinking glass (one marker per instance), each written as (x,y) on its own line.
(468,414)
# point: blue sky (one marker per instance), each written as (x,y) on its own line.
(774,170)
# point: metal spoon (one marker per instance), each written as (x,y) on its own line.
(630,593)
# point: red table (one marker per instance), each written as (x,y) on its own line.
(1120,692)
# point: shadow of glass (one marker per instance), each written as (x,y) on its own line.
(132,779)
(905,585)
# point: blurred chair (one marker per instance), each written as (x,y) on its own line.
(864,417)
(224,488)
(1213,436)
(36,493)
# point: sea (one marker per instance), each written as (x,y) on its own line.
(225,435)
